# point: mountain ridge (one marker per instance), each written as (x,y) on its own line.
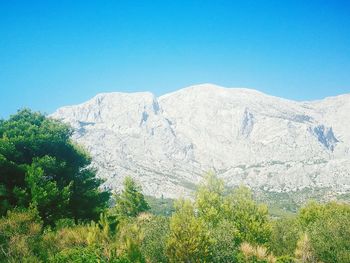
(244,135)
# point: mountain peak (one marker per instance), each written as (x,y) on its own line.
(246,136)
(209,88)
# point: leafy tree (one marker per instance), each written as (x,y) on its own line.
(284,236)
(249,218)
(155,230)
(210,200)
(211,207)
(39,164)
(160,206)
(328,227)
(310,213)
(51,201)
(130,202)
(230,219)
(224,244)
(188,240)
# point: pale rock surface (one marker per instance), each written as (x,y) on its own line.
(243,135)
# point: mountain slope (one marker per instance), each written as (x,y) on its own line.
(245,136)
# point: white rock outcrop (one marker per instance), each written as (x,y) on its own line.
(245,136)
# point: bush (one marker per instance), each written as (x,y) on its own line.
(20,236)
(155,232)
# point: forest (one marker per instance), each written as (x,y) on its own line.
(53,208)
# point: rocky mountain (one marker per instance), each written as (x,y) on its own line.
(245,136)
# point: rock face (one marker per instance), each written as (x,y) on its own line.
(245,136)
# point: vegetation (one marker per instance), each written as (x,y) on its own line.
(41,167)
(52,210)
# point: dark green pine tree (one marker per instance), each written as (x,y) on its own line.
(42,167)
(130,202)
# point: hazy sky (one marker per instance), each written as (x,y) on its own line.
(55,53)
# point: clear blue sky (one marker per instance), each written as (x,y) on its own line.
(55,53)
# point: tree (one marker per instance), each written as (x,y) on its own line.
(224,244)
(328,227)
(188,240)
(250,219)
(51,201)
(155,230)
(310,213)
(284,236)
(130,202)
(211,207)
(210,200)
(40,165)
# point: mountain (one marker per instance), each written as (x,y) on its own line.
(245,136)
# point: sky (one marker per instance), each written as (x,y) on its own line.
(56,53)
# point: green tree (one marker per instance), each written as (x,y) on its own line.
(155,230)
(188,240)
(39,164)
(211,207)
(249,218)
(51,201)
(130,202)
(210,200)
(284,236)
(224,242)
(309,214)
(328,229)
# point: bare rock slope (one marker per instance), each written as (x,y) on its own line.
(245,136)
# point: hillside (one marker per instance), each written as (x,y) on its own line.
(245,136)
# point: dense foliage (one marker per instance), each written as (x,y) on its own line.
(53,211)
(40,166)
(130,202)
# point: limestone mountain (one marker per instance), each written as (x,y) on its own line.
(245,136)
